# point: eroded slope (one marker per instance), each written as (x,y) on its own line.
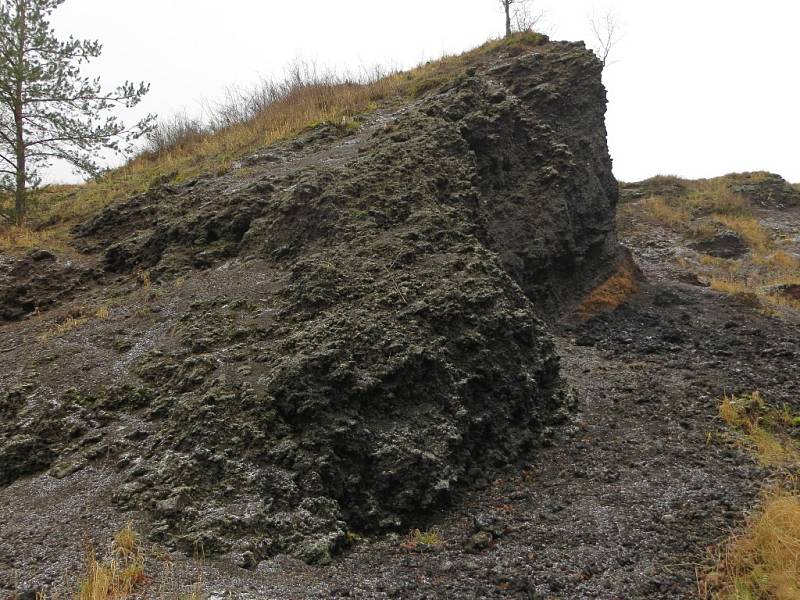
(338,333)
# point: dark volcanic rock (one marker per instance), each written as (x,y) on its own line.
(727,244)
(787,290)
(362,338)
(37,282)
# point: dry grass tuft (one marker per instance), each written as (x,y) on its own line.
(422,541)
(20,239)
(613,291)
(426,538)
(714,196)
(62,328)
(116,578)
(764,427)
(755,291)
(701,209)
(763,560)
(669,213)
(780,262)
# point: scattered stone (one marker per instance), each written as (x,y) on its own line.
(479,541)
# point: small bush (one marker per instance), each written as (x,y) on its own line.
(178,131)
(422,541)
(426,538)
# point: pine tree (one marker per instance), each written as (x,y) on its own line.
(49,111)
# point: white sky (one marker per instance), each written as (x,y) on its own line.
(698,88)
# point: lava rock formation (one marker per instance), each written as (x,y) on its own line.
(342,332)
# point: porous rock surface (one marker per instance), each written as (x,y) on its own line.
(337,334)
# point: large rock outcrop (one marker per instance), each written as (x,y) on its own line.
(341,331)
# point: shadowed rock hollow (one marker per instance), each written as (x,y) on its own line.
(341,331)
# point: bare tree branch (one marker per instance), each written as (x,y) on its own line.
(606,34)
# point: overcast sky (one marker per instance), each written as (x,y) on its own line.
(697,88)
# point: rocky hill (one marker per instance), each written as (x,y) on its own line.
(330,338)
(416,353)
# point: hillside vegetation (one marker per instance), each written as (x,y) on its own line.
(737,233)
(181,148)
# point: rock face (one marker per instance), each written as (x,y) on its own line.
(38,281)
(340,333)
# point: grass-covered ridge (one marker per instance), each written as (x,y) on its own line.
(182,148)
(743,203)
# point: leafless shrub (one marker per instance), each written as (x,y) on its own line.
(179,129)
(606,31)
(304,87)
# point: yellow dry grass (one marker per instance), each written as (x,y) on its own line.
(762,561)
(756,290)
(613,291)
(764,428)
(18,239)
(117,578)
(62,328)
(756,236)
(700,211)
(707,196)
(702,198)
(780,262)
(671,214)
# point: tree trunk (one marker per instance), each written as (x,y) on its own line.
(19,204)
(507,6)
